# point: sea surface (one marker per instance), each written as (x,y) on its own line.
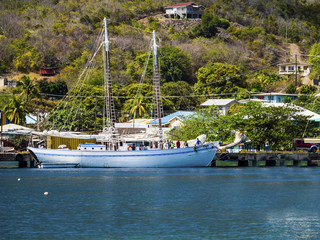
(188,203)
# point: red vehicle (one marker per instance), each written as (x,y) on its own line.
(307,144)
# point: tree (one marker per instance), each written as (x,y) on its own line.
(315,59)
(138,108)
(308,89)
(182,93)
(15,109)
(52,88)
(202,122)
(291,89)
(175,64)
(217,78)
(28,87)
(280,125)
(208,25)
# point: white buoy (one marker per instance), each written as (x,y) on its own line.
(18,179)
(45,193)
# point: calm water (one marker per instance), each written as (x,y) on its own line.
(197,203)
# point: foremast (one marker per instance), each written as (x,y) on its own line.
(156,87)
(110,120)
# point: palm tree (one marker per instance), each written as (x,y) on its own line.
(15,109)
(138,107)
(28,87)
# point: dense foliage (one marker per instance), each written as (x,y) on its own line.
(221,55)
(280,125)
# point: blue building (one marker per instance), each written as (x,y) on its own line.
(274,97)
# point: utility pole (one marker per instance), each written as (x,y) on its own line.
(296,68)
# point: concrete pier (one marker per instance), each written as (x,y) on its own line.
(24,159)
(265,159)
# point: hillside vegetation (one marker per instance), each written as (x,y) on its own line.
(233,50)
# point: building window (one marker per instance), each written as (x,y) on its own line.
(291,68)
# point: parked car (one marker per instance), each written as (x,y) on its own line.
(301,144)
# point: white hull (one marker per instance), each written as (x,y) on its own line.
(166,158)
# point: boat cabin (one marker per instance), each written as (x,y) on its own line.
(91,147)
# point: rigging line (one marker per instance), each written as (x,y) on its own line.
(84,72)
(71,92)
(121,23)
(172,96)
(136,99)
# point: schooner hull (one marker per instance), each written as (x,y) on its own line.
(166,158)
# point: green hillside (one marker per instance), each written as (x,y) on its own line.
(233,50)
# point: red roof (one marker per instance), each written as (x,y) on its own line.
(181,4)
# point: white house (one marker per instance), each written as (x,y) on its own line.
(222,104)
(4,82)
(304,69)
(185,10)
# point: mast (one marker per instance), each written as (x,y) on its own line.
(109,108)
(156,83)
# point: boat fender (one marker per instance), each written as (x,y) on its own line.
(195,148)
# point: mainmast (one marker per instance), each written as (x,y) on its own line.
(109,108)
(156,83)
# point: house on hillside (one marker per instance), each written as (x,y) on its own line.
(48,71)
(222,104)
(185,10)
(4,82)
(303,69)
(274,97)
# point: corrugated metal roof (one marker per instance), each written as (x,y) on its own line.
(182,4)
(293,63)
(218,102)
(305,112)
(275,94)
(178,114)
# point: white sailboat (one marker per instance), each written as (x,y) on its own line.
(96,156)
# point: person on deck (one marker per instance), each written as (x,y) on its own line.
(166,145)
(172,145)
(266,145)
(178,144)
(186,144)
(133,147)
(198,142)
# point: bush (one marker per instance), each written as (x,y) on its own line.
(291,89)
